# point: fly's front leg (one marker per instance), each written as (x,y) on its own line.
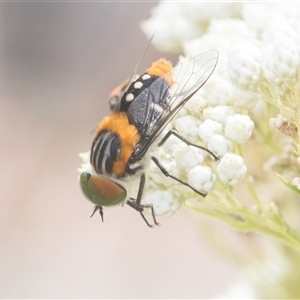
(136,203)
(173,132)
(100,211)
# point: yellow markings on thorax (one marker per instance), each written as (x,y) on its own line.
(162,68)
(118,123)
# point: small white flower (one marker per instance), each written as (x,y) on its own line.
(85,156)
(195,106)
(231,169)
(296,182)
(218,113)
(281,55)
(169,34)
(279,29)
(244,65)
(188,157)
(239,128)
(187,126)
(168,145)
(219,145)
(209,128)
(86,165)
(232,29)
(254,14)
(202,178)
(244,99)
(165,202)
(286,59)
(157,178)
(206,42)
(218,91)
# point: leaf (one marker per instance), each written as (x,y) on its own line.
(288,184)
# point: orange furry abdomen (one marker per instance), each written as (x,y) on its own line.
(118,123)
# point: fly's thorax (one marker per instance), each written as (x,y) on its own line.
(139,88)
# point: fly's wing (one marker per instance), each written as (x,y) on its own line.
(157,104)
(116,96)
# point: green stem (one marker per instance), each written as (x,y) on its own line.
(283,233)
(215,214)
(254,194)
(244,220)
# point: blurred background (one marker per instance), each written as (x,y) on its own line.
(58,62)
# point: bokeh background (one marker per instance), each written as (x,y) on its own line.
(58,62)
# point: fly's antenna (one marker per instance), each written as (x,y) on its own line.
(137,65)
(142,56)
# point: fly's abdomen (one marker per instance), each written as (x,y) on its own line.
(105,152)
(113,145)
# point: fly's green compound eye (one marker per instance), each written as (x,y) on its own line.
(101,190)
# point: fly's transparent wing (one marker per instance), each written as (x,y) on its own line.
(162,101)
(189,77)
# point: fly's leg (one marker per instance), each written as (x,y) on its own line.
(173,132)
(140,209)
(136,203)
(100,211)
(167,174)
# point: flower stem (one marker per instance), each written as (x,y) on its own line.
(242,219)
(254,193)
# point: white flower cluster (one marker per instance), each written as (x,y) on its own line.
(259,45)
(86,165)
(259,63)
(178,22)
(218,128)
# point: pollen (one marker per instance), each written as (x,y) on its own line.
(118,123)
(161,68)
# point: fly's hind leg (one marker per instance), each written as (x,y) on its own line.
(166,173)
(175,133)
